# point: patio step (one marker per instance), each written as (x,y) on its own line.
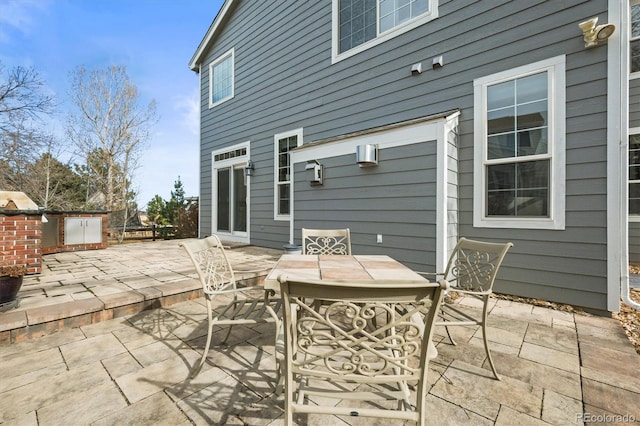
(20,325)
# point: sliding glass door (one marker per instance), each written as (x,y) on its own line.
(232,200)
(230,193)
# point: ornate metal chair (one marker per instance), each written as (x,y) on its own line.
(227,303)
(326,241)
(334,351)
(472,270)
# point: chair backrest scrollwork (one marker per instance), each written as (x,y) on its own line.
(473,265)
(326,241)
(356,332)
(211,263)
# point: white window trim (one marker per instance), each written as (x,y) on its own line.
(276,201)
(381,38)
(633,131)
(557,97)
(229,53)
(235,162)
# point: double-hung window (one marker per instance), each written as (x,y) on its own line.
(519,138)
(284,143)
(221,79)
(634,37)
(634,175)
(361,24)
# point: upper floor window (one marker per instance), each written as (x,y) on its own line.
(634,174)
(360,24)
(221,77)
(519,137)
(284,143)
(634,37)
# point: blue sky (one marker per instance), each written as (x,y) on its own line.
(154,39)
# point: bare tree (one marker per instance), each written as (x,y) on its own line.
(109,124)
(23,103)
(22,97)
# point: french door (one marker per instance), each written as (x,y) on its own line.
(232,200)
(230,209)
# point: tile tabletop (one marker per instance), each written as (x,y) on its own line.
(327,267)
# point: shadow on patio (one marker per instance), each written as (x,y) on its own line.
(557,367)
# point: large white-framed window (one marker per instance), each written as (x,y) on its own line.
(634,38)
(221,79)
(519,147)
(361,24)
(634,174)
(282,191)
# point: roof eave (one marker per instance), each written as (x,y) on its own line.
(196,60)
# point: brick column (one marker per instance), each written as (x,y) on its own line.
(21,240)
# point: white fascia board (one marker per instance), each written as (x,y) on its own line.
(208,38)
(397,136)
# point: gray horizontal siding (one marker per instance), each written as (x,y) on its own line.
(396,199)
(285,80)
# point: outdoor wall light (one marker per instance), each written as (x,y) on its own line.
(249,168)
(318,172)
(367,155)
(595,34)
(437,62)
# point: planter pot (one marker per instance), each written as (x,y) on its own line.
(9,287)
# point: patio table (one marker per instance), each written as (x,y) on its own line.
(327,267)
(360,268)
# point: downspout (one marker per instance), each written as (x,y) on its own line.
(619,14)
(626,299)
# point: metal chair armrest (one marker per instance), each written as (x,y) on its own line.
(243,290)
(251,271)
(470,292)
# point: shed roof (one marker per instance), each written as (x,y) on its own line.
(16,200)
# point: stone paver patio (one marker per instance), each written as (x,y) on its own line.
(131,366)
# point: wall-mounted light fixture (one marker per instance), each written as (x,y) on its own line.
(317,170)
(437,62)
(593,33)
(249,169)
(367,155)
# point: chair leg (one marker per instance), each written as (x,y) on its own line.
(279,361)
(280,377)
(484,337)
(228,334)
(196,371)
(453,342)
